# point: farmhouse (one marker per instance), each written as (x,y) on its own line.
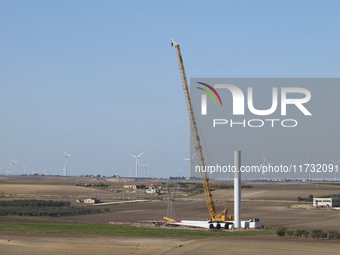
(327,202)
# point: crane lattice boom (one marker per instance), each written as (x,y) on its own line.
(197,141)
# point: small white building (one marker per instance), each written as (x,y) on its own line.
(130,186)
(91,201)
(151,191)
(327,202)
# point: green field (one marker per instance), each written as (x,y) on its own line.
(115,230)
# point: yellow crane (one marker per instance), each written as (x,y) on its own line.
(222,216)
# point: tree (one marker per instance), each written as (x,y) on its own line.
(306,234)
(290,233)
(299,233)
(332,235)
(323,235)
(281,232)
(316,233)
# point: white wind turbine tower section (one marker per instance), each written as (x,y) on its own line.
(336,166)
(13,162)
(309,162)
(101,168)
(265,163)
(145,168)
(191,161)
(24,167)
(65,168)
(137,161)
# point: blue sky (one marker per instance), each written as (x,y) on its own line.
(99,79)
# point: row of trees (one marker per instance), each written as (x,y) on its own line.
(33,207)
(33,203)
(309,199)
(48,211)
(315,233)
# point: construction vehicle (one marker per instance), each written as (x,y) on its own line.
(214,217)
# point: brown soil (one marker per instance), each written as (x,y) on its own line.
(56,244)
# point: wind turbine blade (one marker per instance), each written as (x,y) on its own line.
(264,160)
(308,156)
(132,155)
(193,156)
(186,158)
(141,153)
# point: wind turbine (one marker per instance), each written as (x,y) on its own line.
(137,161)
(310,160)
(65,168)
(161,174)
(265,163)
(25,167)
(145,168)
(13,162)
(130,172)
(335,164)
(101,168)
(191,160)
(178,172)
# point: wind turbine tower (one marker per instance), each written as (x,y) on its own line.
(65,167)
(191,161)
(137,161)
(309,162)
(13,162)
(265,163)
(101,168)
(25,167)
(145,168)
(335,165)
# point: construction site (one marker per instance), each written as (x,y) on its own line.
(100,154)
